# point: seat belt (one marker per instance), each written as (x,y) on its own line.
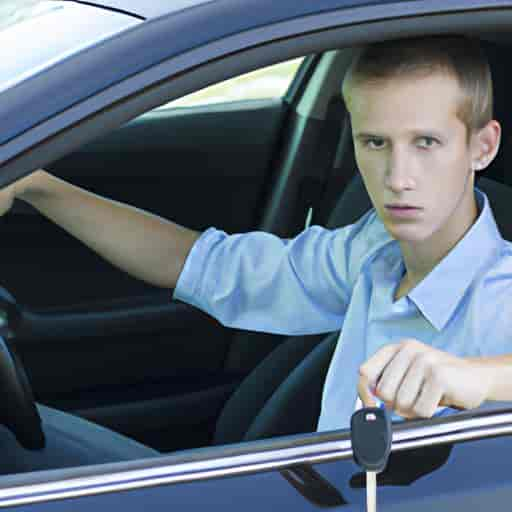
(313,188)
(343,171)
(324,195)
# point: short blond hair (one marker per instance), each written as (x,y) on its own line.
(460,56)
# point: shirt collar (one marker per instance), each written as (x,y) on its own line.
(439,293)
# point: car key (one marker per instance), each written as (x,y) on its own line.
(371,434)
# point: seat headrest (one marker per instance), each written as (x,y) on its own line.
(500,199)
(497,55)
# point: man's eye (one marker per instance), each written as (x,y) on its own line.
(427,142)
(374,143)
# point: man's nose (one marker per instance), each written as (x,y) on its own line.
(398,174)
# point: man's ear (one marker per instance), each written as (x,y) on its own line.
(485,144)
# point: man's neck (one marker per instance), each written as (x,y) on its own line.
(421,257)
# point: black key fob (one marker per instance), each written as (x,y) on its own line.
(371,434)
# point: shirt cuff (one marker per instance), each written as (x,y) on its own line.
(188,287)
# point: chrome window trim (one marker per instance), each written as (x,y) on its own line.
(405,436)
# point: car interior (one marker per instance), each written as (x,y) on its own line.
(121,372)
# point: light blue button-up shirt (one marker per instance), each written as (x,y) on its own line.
(325,280)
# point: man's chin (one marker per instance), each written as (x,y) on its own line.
(405,232)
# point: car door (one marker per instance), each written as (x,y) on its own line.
(432,466)
(307,471)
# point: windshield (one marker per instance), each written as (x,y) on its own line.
(42,34)
(17,11)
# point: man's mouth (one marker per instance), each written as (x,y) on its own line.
(402,206)
(402,210)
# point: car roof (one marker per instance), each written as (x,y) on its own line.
(283,9)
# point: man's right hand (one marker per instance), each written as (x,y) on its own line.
(7,196)
(16,189)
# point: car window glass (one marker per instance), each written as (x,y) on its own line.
(268,82)
(16,11)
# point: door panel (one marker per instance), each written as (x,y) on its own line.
(138,371)
(457,484)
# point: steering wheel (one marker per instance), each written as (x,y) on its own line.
(18,410)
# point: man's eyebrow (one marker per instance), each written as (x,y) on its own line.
(415,133)
(428,133)
(364,135)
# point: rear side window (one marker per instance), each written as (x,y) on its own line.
(265,83)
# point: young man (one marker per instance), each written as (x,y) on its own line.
(419,285)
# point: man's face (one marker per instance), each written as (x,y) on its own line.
(411,149)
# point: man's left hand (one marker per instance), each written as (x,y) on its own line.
(413,379)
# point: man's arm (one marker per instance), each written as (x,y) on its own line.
(498,371)
(145,245)
(255,281)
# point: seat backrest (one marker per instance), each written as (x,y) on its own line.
(294,407)
(248,402)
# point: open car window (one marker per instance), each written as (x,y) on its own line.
(271,82)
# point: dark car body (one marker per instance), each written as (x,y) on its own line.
(104,346)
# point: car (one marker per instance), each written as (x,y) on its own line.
(146,401)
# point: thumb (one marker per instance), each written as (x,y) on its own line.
(364,391)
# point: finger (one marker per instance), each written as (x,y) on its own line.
(411,386)
(393,375)
(374,366)
(364,392)
(428,400)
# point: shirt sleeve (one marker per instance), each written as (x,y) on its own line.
(260,282)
